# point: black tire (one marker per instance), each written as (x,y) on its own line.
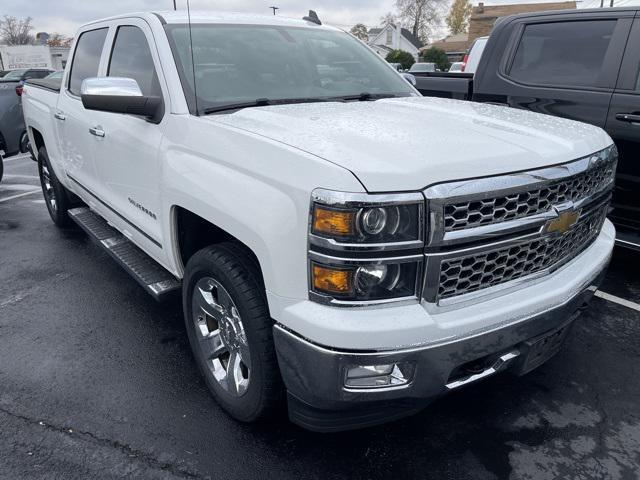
(24,143)
(232,268)
(55,195)
(1,168)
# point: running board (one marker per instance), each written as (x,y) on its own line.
(147,272)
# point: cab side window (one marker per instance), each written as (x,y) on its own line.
(569,54)
(86,58)
(131,58)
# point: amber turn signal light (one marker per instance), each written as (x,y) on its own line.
(333,222)
(332,280)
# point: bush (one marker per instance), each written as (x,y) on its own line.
(437,56)
(402,57)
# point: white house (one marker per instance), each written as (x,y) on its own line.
(393,37)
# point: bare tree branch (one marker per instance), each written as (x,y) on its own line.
(14,31)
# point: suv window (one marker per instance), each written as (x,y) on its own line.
(562,54)
(86,59)
(131,58)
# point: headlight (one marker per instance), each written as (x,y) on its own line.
(365,248)
(367,219)
(367,282)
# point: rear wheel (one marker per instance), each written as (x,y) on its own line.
(55,195)
(230,331)
(24,143)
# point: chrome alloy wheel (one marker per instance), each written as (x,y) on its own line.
(49,192)
(221,336)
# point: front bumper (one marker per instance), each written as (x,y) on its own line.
(315,375)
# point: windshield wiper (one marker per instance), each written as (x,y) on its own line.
(366,96)
(264,102)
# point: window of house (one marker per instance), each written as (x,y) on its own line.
(131,58)
(562,53)
(86,59)
(389,36)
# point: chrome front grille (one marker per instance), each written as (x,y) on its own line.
(497,232)
(474,213)
(470,273)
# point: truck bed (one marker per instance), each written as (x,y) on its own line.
(445,85)
(54,84)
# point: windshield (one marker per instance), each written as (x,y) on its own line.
(14,75)
(235,64)
(423,67)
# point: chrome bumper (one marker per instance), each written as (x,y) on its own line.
(315,376)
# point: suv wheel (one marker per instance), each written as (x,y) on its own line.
(55,195)
(229,330)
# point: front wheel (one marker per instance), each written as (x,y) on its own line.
(230,331)
(55,195)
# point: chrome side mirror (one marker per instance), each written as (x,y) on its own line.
(120,95)
(410,78)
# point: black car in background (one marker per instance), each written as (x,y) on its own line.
(13,134)
(578,64)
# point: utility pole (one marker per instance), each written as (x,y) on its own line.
(174,5)
(274,9)
(601,3)
(611,3)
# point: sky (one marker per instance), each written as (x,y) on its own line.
(65,16)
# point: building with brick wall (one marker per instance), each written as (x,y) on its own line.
(481,22)
(484,17)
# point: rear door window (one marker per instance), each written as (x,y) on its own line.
(86,59)
(131,58)
(569,54)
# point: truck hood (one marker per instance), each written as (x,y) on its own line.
(410,143)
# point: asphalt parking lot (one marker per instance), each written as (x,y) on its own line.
(97,380)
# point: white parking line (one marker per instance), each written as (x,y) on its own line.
(618,300)
(16,186)
(19,195)
(17,157)
(14,175)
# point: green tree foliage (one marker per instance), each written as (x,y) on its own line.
(458,18)
(400,56)
(437,56)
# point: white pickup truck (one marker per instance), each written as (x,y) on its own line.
(343,246)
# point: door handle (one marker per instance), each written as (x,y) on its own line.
(97,131)
(628,117)
(60,116)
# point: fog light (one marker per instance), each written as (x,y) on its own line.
(378,376)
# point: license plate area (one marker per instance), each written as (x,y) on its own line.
(542,348)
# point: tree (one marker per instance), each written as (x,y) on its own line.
(388,19)
(59,40)
(360,31)
(15,31)
(400,56)
(437,56)
(458,18)
(421,16)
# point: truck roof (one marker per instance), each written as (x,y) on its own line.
(205,17)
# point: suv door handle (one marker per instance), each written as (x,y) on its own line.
(60,116)
(628,117)
(97,131)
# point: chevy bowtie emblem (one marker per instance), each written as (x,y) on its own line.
(563,223)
